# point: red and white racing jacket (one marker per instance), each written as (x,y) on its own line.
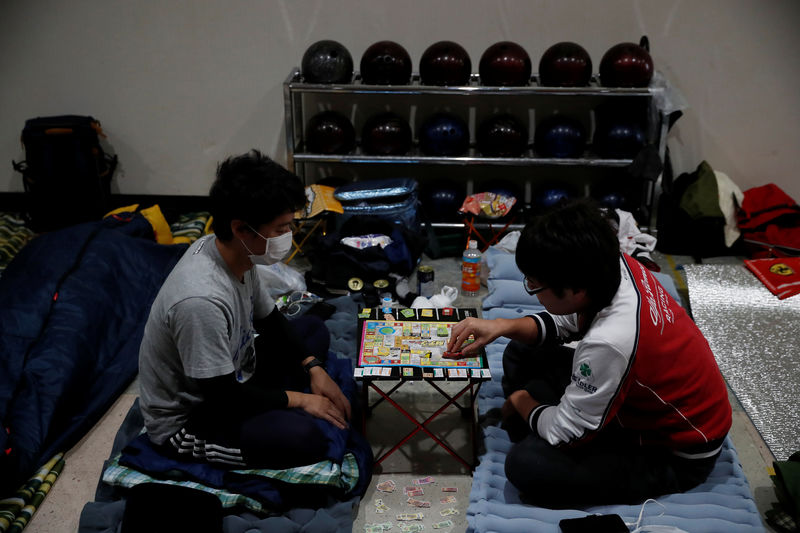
(642,364)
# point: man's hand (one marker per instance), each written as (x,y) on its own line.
(482,330)
(318,406)
(323,385)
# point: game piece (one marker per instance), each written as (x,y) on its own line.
(443,524)
(413,491)
(418,503)
(449,499)
(449,489)
(386,486)
(449,511)
(424,481)
(380,507)
(405,517)
(452,355)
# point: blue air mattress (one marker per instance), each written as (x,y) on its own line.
(723,503)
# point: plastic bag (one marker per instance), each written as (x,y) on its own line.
(280,279)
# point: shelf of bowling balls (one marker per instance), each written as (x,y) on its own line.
(296,83)
(413,159)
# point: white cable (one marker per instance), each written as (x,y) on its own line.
(652,528)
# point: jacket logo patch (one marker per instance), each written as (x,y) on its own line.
(585,370)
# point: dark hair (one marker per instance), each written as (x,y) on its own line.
(573,246)
(254,188)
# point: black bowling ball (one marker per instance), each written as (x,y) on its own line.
(502,136)
(327,62)
(445,63)
(565,64)
(386,63)
(627,65)
(330,132)
(386,134)
(443,134)
(560,136)
(505,64)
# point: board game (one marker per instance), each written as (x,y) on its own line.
(411,343)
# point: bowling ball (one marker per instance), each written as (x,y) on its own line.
(327,62)
(386,63)
(613,200)
(445,63)
(386,134)
(560,136)
(442,200)
(565,64)
(330,132)
(505,64)
(620,138)
(551,196)
(502,136)
(443,134)
(627,65)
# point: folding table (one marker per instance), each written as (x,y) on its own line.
(398,369)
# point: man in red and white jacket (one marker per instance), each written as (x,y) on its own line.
(635,407)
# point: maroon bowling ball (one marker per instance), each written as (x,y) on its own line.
(501,136)
(626,65)
(327,62)
(446,64)
(565,64)
(386,63)
(330,132)
(505,64)
(386,134)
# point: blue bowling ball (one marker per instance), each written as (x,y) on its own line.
(442,200)
(560,136)
(613,200)
(552,196)
(622,138)
(444,134)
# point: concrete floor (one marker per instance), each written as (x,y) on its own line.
(420,457)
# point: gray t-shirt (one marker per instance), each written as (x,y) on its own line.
(200,326)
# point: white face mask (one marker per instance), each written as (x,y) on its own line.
(277,248)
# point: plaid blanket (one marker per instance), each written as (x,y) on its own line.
(324,473)
(13,236)
(17,511)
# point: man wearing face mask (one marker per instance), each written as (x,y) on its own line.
(221,369)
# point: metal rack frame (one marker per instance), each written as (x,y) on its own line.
(294,88)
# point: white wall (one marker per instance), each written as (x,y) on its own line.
(179,85)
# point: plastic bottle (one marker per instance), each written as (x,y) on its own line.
(471,269)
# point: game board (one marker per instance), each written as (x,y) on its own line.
(411,343)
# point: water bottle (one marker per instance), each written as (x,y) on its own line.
(471,269)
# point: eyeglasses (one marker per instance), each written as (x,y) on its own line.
(530,289)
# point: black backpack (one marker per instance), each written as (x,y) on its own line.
(66,173)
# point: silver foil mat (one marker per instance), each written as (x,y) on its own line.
(756,340)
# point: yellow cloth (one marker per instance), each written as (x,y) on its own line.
(156,219)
